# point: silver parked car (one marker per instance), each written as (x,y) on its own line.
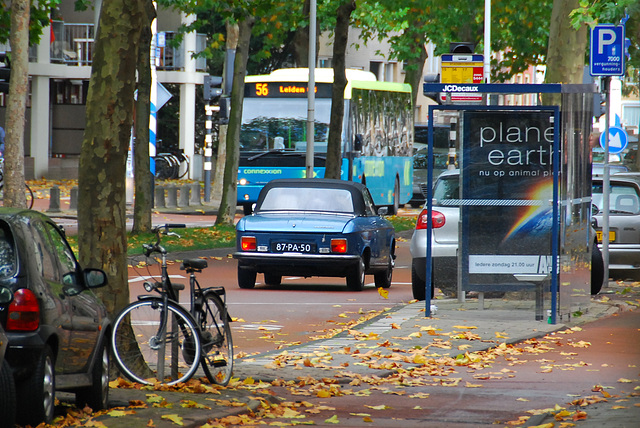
(624,222)
(444,242)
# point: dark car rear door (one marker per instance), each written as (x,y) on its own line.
(86,310)
(45,281)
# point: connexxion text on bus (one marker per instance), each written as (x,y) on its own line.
(377,133)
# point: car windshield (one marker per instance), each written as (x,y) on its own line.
(307,199)
(621,198)
(447,190)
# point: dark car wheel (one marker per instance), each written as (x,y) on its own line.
(246,278)
(36,394)
(597,270)
(419,286)
(272,279)
(355,279)
(383,279)
(7,397)
(96,396)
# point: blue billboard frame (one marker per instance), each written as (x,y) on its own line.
(552,88)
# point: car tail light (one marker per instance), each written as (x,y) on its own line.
(437,220)
(338,245)
(24,311)
(248,243)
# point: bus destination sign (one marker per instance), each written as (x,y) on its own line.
(284,90)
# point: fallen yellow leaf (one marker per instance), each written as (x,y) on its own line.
(174,418)
(383,292)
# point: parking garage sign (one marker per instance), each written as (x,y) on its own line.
(607,50)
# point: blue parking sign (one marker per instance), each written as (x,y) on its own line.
(607,50)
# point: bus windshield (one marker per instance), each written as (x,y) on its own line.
(269,124)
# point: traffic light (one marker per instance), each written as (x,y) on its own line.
(211,89)
(5,73)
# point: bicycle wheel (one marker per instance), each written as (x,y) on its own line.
(143,349)
(217,345)
(183,168)
(28,194)
(163,168)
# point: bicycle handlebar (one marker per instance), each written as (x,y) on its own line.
(160,230)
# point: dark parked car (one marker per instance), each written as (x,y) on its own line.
(315,227)
(7,386)
(57,329)
(421,158)
(624,222)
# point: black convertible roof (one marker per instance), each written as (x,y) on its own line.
(356,189)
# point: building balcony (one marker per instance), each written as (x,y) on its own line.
(73,45)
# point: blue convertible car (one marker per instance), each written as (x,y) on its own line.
(315,227)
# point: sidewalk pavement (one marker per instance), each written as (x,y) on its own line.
(326,358)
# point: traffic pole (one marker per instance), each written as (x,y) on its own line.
(208,148)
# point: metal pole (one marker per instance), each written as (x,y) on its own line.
(487,44)
(311,94)
(606,183)
(208,149)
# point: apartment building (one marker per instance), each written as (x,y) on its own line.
(60,69)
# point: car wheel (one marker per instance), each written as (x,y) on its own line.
(383,279)
(419,286)
(272,279)
(7,397)
(246,278)
(355,279)
(36,394)
(597,270)
(96,396)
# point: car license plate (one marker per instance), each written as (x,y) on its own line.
(612,235)
(293,247)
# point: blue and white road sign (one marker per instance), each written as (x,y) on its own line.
(618,139)
(607,50)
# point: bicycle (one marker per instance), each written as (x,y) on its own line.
(155,337)
(174,165)
(28,193)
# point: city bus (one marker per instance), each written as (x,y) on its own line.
(377,133)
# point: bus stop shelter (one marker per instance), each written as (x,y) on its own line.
(525,194)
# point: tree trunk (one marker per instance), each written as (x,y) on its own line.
(229,201)
(102,234)
(301,39)
(14,184)
(565,54)
(413,71)
(141,163)
(232,44)
(341,36)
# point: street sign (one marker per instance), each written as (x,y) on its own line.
(462,68)
(618,140)
(607,56)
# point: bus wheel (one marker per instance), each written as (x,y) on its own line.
(393,210)
(247,209)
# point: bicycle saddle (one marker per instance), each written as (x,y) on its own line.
(195,264)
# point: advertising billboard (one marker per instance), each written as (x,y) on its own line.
(506,198)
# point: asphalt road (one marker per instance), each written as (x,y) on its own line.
(269,317)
